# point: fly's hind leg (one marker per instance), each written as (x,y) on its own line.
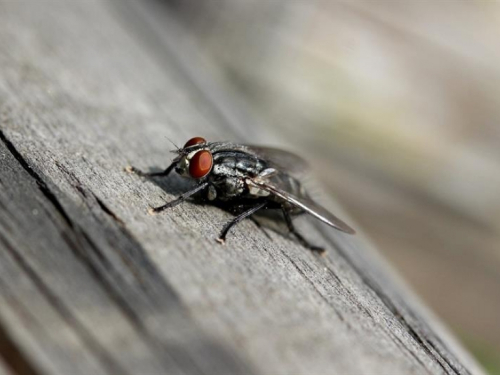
(237,219)
(298,236)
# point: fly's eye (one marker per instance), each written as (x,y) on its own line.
(195,141)
(200,164)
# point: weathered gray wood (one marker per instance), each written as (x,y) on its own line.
(89,283)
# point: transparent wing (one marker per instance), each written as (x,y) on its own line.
(305,204)
(281,159)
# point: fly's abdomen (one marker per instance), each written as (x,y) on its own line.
(285,182)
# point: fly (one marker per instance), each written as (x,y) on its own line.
(246,179)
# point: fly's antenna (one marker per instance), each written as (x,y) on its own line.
(177,148)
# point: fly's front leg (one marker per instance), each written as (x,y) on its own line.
(298,236)
(138,172)
(237,219)
(180,199)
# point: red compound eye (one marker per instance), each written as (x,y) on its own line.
(200,164)
(195,141)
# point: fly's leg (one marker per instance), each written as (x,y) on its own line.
(237,219)
(180,199)
(138,172)
(298,236)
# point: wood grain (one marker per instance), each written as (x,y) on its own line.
(91,284)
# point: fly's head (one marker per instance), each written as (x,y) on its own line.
(194,160)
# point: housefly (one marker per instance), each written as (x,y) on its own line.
(246,179)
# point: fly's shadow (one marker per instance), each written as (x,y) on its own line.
(173,184)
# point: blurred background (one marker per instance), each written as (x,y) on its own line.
(400,102)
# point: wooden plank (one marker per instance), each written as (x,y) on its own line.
(90,283)
(96,296)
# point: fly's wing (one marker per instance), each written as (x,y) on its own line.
(280,159)
(304,203)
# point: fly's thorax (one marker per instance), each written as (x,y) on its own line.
(230,171)
(237,164)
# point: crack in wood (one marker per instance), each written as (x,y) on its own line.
(13,357)
(368,313)
(41,184)
(64,312)
(447,361)
(316,291)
